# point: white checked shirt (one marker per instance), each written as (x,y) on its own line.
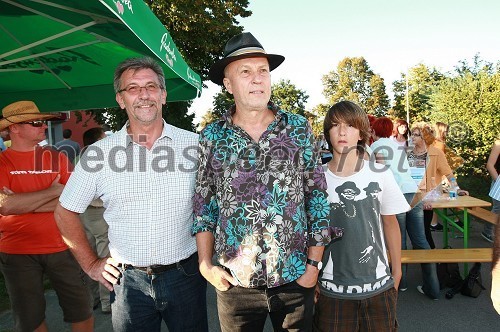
(147,194)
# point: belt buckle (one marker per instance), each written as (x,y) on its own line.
(150,270)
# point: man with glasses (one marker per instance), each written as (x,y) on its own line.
(31,180)
(145,176)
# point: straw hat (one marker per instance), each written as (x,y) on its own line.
(23,111)
(242,46)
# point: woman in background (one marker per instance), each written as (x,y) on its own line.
(393,155)
(440,132)
(400,132)
(493,167)
(427,165)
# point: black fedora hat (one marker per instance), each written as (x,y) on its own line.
(348,185)
(241,46)
(372,187)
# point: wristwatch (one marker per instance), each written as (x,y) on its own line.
(318,265)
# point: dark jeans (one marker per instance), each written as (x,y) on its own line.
(178,296)
(290,308)
(412,222)
(428,214)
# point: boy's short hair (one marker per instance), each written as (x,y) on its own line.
(350,113)
(67,133)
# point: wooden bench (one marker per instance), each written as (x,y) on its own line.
(469,255)
(483,214)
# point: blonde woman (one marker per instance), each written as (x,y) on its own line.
(427,165)
(440,132)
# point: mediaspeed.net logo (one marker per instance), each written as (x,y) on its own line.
(121,9)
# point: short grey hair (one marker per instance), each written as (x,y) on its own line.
(136,64)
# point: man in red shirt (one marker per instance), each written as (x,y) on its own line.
(31,180)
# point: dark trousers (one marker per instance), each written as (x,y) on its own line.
(428,214)
(290,308)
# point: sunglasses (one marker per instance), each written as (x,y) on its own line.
(36,123)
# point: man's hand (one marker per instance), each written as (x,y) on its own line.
(396,276)
(7,191)
(217,276)
(105,271)
(309,278)
(317,293)
(56,186)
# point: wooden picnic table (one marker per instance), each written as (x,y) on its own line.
(449,209)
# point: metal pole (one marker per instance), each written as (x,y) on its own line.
(407,101)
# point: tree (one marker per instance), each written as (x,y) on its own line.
(355,81)
(469,102)
(421,83)
(200,29)
(316,117)
(283,94)
(288,97)
(222,102)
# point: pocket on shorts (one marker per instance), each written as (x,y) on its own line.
(3,258)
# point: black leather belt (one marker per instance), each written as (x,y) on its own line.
(157,269)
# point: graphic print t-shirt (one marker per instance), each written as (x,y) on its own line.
(356,265)
(418,163)
(25,172)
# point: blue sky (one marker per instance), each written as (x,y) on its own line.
(392,35)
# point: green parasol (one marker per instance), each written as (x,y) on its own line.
(61,54)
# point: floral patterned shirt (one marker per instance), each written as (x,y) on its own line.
(265,202)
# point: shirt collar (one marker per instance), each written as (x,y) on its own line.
(125,138)
(227,119)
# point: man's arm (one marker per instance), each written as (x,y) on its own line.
(20,203)
(317,221)
(495,272)
(50,206)
(392,236)
(310,277)
(103,270)
(492,159)
(216,275)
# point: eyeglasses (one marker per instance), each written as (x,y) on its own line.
(134,89)
(36,123)
(417,135)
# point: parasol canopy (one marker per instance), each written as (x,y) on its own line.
(62,54)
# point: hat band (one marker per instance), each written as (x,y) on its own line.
(247,50)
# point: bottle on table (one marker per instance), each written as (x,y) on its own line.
(453,192)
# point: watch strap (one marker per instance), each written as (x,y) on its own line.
(312,262)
